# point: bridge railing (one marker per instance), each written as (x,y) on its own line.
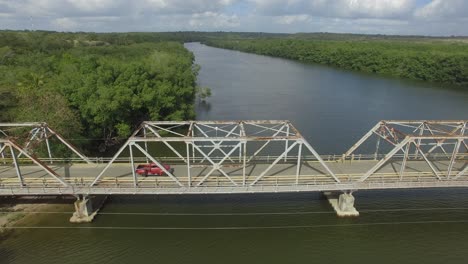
(268,158)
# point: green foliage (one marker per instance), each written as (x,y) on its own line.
(94,88)
(203,93)
(442,62)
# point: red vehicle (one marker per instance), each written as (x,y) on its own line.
(152,169)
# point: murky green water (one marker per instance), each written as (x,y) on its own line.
(332,109)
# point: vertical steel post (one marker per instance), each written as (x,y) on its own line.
(403,163)
(193,145)
(244,161)
(240,153)
(47,144)
(377,146)
(421,132)
(15,161)
(298,169)
(454,156)
(189,176)
(384,160)
(1,152)
(135,183)
(146,143)
(287,142)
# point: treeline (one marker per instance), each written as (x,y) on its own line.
(93,86)
(432,60)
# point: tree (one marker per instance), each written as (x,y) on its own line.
(203,93)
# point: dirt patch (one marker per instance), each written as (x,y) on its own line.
(16,210)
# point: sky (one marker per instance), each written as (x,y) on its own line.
(393,17)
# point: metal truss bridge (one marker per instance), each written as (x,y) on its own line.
(234,157)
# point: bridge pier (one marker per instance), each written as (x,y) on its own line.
(342,204)
(83,210)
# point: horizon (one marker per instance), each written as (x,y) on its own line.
(239,32)
(435,18)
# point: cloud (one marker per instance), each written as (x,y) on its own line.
(214,20)
(65,23)
(336,8)
(427,17)
(443,9)
(292,19)
(112,7)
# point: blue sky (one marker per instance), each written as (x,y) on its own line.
(406,17)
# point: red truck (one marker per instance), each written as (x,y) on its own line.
(152,169)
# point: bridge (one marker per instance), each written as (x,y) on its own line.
(208,157)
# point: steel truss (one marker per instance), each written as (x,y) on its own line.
(38,133)
(242,157)
(431,141)
(18,144)
(221,150)
(15,150)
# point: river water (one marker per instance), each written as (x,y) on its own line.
(332,109)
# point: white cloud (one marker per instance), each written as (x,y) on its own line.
(443,9)
(122,7)
(292,19)
(438,17)
(65,23)
(213,20)
(337,8)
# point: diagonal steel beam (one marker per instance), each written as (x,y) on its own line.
(273,164)
(443,140)
(265,144)
(437,141)
(217,128)
(110,163)
(70,146)
(158,164)
(165,143)
(39,163)
(363,139)
(34,133)
(433,168)
(463,172)
(274,128)
(212,141)
(167,130)
(216,166)
(320,160)
(385,159)
(215,147)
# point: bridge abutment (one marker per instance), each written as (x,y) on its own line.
(84,212)
(343,204)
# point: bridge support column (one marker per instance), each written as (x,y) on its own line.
(83,211)
(342,204)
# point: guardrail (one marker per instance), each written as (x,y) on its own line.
(268,158)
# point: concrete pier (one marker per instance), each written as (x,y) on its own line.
(342,204)
(83,211)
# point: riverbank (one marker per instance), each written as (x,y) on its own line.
(17,211)
(433,62)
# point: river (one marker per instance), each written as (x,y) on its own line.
(332,108)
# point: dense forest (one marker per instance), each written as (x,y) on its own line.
(426,59)
(94,86)
(97,87)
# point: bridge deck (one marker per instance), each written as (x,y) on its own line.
(118,179)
